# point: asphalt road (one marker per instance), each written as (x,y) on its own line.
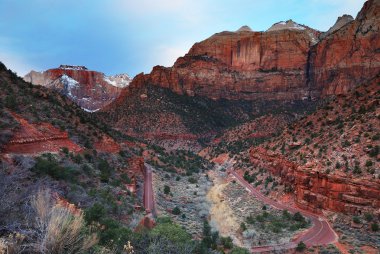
(320,233)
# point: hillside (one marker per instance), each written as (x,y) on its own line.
(69,161)
(182,122)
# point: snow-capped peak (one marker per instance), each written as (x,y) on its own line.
(290,25)
(119,80)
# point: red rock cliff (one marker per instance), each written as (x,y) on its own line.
(242,65)
(316,191)
(349,56)
(284,63)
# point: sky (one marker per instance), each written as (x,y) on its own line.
(132,36)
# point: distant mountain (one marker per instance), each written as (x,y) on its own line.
(91,90)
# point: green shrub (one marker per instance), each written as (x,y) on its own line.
(286,214)
(368,217)
(368,163)
(78,159)
(373,152)
(52,168)
(227,242)
(125,178)
(298,217)
(113,234)
(65,150)
(172,232)
(11,102)
(356,219)
(176,211)
(166,190)
(375,227)
(301,246)
(87,169)
(105,170)
(243,226)
(192,180)
(94,213)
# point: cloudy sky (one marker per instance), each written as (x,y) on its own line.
(132,36)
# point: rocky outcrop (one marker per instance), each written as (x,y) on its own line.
(341,21)
(316,191)
(349,56)
(336,192)
(38,138)
(287,62)
(107,144)
(91,90)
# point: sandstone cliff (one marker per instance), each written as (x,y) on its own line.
(241,65)
(287,62)
(348,56)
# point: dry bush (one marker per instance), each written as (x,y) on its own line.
(60,230)
(3,246)
(12,244)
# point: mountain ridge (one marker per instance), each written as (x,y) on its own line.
(278,65)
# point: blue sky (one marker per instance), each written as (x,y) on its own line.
(132,36)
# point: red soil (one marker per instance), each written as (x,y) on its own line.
(38,138)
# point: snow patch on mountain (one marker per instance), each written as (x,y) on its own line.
(120,80)
(290,25)
(69,84)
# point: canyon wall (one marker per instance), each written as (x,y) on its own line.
(287,62)
(317,191)
(349,56)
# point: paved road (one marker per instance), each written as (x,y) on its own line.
(320,233)
(148,191)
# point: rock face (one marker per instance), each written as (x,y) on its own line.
(315,190)
(342,21)
(241,65)
(89,89)
(38,138)
(349,56)
(286,62)
(107,144)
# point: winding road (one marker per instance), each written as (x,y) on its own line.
(320,233)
